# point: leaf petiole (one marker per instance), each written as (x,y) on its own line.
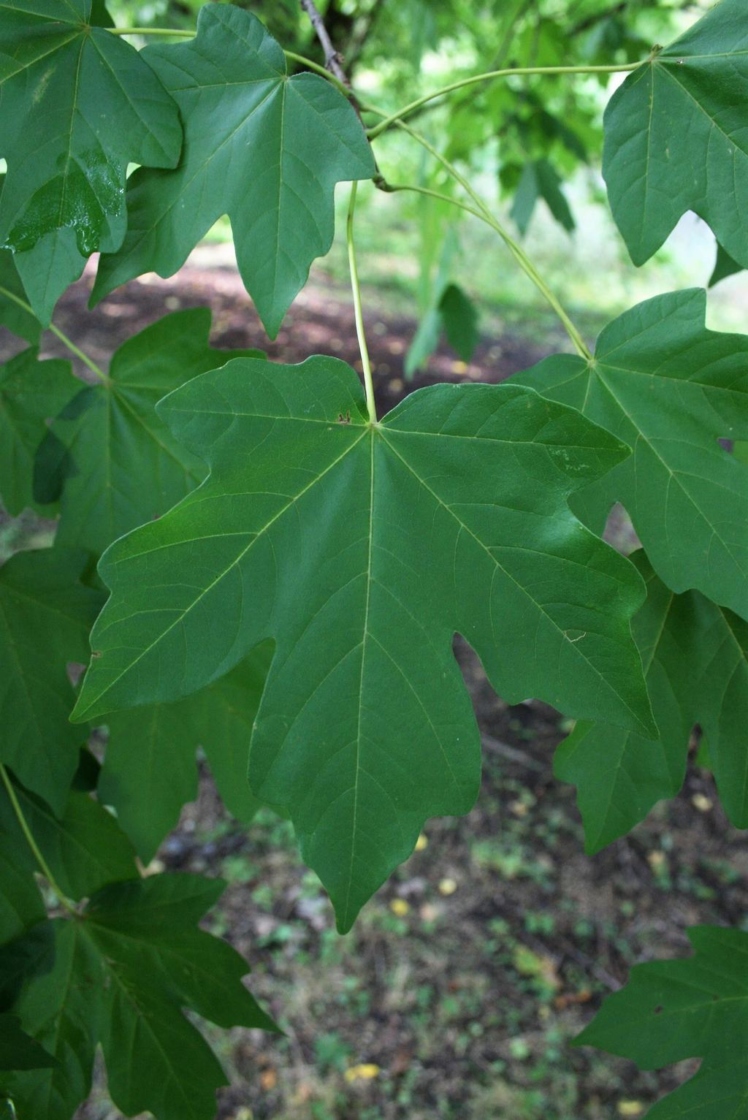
(365,362)
(29,836)
(59,334)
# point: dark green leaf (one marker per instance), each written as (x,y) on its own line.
(695,1008)
(675,137)
(149,771)
(361,550)
(460,320)
(18,1050)
(540,180)
(31,392)
(525,198)
(13,316)
(122,973)
(724,266)
(84,848)
(240,110)
(123,465)
(45,616)
(77,104)
(670,389)
(21,905)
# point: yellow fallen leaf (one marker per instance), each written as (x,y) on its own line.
(400,907)
(422,842)
(630,1108)
(447,886)
(365,1072)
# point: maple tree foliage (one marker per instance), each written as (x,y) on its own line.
(287,571)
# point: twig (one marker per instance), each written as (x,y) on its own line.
(512,753)
(333,61)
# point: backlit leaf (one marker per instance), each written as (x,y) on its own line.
(360,550)
(77,104)
(45,615)
(670,389)
(261,147)
(694,1008)
(675,137)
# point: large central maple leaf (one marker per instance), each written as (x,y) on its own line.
(361,549)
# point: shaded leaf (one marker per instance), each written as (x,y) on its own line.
(12,316)
(45,616)
(241,112)
(31,392)
(18,1050)
(121,976)
(460,320)
(724,266)
(21,905)
(670,389)
(675,137)
(149,771)
(84,848)
(76,105)
(361,550)
(694,1008)
(119,462)
(540,180)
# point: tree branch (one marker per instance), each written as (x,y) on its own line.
(333,61)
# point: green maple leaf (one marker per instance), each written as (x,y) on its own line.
(261,147)
(695,1008)
(121,465)
(12,314)
(18,1050)
(45,616)
(670,389)
(675,137)
(149,771)
(695,657)
(21,904)
(122,973)
(84,848)
(77,104)
(31,393)
(360,549)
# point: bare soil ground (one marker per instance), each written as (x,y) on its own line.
(465,979)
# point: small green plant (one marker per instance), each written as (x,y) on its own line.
(287,569)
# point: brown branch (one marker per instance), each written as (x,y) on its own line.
(333,61)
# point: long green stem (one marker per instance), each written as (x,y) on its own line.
(29,836)
(59,334)
(365,362)
(172,32)
(489,76)
(514,247)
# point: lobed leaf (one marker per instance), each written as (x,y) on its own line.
(77,104)
(261,147)
(360,550)
(671,390)
(695,1008)
(45,616)
(676,137)
(121,975)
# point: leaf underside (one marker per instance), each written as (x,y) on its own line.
(360,550)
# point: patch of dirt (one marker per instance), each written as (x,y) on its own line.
(462,984)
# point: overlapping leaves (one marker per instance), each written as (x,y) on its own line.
(119,976)
(116,461)
(361,549)
(76,105)
(671,390)
(45,616)
(695,1008)
(695,657)
(675,137)
(259,146)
